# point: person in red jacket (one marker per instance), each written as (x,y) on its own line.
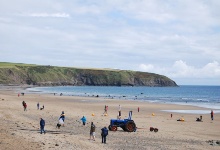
(25,106)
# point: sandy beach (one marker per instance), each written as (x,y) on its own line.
(19,129)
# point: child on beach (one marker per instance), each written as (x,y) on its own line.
(83,120)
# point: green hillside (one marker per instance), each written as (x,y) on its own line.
(16,73)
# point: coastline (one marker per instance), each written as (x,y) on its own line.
(22,127)
(205,105)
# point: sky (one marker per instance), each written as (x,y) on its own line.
(176,38)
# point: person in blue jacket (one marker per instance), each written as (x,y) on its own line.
(83,120)
(104,134)
(42,124)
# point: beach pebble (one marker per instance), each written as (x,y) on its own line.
(56,144)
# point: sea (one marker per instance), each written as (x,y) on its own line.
(201,96)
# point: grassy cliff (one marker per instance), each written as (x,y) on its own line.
(15,73)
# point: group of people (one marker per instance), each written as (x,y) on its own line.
(212,116)
(38,106)
(104,131)
(24,104)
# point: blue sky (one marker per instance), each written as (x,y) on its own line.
(176,38)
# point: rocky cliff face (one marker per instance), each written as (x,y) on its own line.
(55,76)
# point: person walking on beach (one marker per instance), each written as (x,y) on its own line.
(105,110)
(38,106)
(212,115)
(83,120)
(92,131)
(42,124)
(62,116)
(138,109)
(104,134)
(25,106)
(23,103)
(119,111)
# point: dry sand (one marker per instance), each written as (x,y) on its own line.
(19,129)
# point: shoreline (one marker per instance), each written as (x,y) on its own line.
(202,106)
(24,125)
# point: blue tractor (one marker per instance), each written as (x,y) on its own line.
(126,124)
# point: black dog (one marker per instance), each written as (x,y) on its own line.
(58,125)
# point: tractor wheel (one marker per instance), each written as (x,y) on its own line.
(130,126)
(110,127)
(114,128)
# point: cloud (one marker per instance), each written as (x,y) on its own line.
(147,67)
(56,15)
(181,69)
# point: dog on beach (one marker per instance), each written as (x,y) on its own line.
(58,126)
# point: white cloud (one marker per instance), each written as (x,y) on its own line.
(180,69)
(58,15)
(147,67)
